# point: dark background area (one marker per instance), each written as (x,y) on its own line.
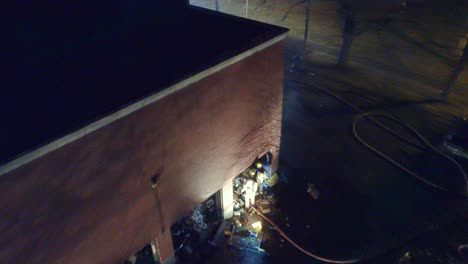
(65,65)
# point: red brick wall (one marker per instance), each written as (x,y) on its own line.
(91,201)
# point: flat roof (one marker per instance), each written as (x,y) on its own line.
(59,76)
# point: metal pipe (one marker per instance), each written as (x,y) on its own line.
(247,8)
(348,34)
(456,72)
(306,26)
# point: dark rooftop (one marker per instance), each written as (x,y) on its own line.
(64,69)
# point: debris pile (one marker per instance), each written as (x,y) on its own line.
(190,235)
(253,187)
(245,231)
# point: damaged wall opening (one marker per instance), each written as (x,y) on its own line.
(226,223)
